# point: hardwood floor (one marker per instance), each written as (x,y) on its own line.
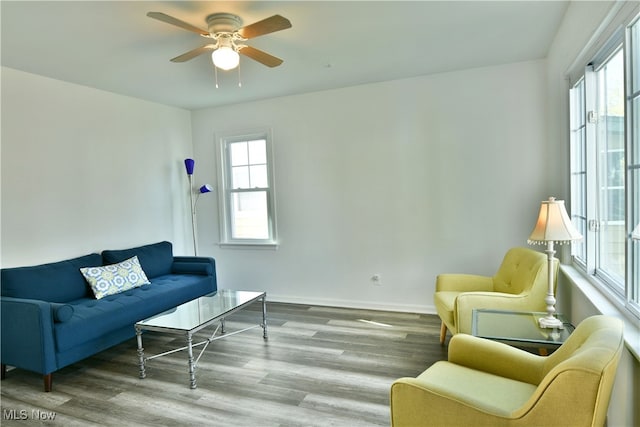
(321,366)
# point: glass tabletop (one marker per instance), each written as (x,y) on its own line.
(195,313)
(518,327)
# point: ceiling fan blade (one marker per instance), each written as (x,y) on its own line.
(193,53)
(178,23)
(266,26)
(260,56)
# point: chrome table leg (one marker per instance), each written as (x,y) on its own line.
(140,353)
(264,317)
(192,367)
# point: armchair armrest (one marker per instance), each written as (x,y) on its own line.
(496,358)
(27,334)
(463,283)
(466,302)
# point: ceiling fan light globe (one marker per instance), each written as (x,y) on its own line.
(225,58)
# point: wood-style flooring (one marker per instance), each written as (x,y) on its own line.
(321,366)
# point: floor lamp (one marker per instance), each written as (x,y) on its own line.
(189,165)
(553,226)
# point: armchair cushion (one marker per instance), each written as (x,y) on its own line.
(491,393)
(519,270)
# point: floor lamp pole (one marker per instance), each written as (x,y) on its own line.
(193,216)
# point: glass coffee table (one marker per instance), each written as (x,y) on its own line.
(519,329)
(192,316)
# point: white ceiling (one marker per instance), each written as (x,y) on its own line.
(114,46)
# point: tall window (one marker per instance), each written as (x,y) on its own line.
(247,199)
(605,166)
(611,165)
(579,169)
(633,176)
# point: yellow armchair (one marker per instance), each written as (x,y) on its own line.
(487,383)
(520,285)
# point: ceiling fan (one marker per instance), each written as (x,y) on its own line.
(227,34)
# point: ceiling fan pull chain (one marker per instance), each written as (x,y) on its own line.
(239,77)
(215,71)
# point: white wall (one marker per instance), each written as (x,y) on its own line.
(406,179)
(85,170)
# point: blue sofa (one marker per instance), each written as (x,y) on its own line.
(51,318)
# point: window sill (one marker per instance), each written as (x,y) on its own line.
(248,245)
(604,304)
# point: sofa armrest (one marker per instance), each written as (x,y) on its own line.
(27,334)
(193,265)
(496,358)
(61,312)
(463,283)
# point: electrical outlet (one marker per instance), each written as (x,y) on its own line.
(376,279)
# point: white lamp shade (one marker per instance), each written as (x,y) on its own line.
(635,234)
(225,58)
(553,224)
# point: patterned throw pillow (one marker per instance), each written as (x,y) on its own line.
(115,278)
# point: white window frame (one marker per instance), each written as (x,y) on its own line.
(632,177)
(226,192)
(622,294)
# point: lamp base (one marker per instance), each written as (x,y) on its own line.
(550,322)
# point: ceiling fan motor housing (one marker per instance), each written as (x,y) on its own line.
(223,23)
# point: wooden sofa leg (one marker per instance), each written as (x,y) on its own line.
(48,378)
(443,333)
(48,382)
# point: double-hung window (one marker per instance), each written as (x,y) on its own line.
(605,165)
(247,191)
(633,152)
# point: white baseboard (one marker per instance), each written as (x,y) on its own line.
(366,305)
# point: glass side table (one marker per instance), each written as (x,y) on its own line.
(519,329)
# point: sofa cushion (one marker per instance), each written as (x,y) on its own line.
(115,278)
(156,259)
(54,282)
(94,318)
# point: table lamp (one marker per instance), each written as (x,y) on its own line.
(553,226)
